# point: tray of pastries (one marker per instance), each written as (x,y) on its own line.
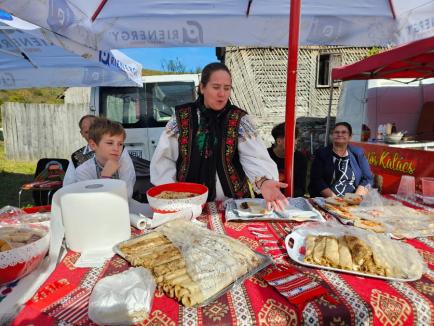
(348,249)
(345,209)
(192,264)
(380,215)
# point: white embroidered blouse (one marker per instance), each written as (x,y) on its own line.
(254,158)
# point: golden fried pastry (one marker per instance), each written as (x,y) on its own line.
(190,263)
(370,225)
(4,245)
(345,259)
(353,199)
(381,257)
(336,201)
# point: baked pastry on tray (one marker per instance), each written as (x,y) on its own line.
(190,263)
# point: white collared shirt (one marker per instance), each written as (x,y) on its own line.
(126,171)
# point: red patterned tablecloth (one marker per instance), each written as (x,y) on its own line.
(63,299)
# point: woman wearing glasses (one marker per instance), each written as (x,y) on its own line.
(340,168)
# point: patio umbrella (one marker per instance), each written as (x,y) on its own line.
(102,24)
(30,58)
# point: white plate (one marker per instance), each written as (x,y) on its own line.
(299,210)
(295,251)
(242,212)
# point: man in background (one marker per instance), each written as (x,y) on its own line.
(277,153)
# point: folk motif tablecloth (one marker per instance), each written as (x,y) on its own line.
(63,299)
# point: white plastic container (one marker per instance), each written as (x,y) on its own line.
(94,213)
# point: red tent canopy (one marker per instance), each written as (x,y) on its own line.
(412,60)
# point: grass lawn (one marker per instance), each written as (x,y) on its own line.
(12,175)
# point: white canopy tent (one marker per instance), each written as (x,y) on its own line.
(28,58)
(102,24)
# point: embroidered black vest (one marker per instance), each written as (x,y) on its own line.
(229,169)
(79,158)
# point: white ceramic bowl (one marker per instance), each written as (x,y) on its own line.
(160,205)
(394,138)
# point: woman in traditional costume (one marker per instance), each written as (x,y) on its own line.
(215,143)
(340,168)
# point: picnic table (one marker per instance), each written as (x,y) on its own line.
(351,300)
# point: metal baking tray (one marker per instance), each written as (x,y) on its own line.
(300,203)
(265,262)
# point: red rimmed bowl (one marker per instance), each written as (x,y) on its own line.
(18,262)
(162,206)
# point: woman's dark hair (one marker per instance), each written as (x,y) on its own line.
(209,69)
(346,125)
(278,131)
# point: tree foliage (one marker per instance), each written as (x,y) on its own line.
(173,65)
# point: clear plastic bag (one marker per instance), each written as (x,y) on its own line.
(10,215)
(213,261)
(122,299)
(14,215)
(372,199)
(401,259)
(399,220)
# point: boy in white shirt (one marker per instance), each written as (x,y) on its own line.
(84,153)
(106,139)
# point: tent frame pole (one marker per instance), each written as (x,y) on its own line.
(291,93)
(326,136)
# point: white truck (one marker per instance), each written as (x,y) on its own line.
(144,111)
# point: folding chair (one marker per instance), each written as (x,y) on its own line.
(48,179)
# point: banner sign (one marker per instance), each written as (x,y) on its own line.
(388,164)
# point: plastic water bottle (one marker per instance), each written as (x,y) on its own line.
(380,132)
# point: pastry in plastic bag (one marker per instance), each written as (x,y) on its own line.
(352,249)
(190,263)
(122,299)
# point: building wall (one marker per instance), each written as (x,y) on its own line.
(259,82)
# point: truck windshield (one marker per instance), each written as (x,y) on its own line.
(150,106)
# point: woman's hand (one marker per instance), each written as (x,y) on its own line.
(270,190)
(362,191)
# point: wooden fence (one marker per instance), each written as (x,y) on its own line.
(34,131)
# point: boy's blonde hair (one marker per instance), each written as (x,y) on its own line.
(102,126)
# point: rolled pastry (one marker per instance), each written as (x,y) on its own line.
(309,245)
(345,259)
(331,253)
(318,251)
(359,251)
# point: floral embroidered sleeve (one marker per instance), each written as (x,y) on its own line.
(254,157)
